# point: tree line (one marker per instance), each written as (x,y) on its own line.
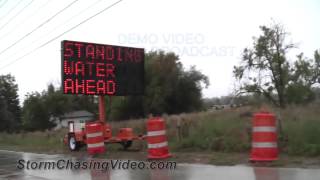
(169,88)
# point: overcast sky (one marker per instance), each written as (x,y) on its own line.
(208,34)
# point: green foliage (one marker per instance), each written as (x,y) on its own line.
(307,71)
(230,130)
(59,103)
(124,107)
(35,113)
(304,140)
(168,89)
(265,69)
(187,96)
(213,131)
(39,109)
(10,112)
(301,127)
(298,94)
(34,141)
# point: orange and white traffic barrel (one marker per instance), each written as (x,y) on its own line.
(157,139)
(95,139)
(264,137)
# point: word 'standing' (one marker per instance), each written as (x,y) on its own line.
(96,69)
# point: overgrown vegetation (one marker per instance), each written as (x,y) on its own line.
(226,130)
(37,141)
(301,127)
(229,130)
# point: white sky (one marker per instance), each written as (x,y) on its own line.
(208,34)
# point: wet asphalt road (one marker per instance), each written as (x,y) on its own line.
(9,170)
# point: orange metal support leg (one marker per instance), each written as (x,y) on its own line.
(102,109)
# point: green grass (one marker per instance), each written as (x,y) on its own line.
(215,131)
(230,130)
(301,127)
(33,141)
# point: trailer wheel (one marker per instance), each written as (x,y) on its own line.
(126,144)
(73,145)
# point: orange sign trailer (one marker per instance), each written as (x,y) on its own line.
(76,136)
(98,69)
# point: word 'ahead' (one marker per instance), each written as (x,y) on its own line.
(97,69)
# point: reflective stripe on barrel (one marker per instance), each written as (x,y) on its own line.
(264,129)
(158,145)
(97,134)
(156,133)
(264,145)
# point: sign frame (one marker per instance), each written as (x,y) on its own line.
(101,68)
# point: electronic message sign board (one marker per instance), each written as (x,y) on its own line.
(99,69)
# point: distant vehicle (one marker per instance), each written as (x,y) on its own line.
(225,106)
(217,107)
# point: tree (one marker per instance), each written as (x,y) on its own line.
(304,74)
(265,69)
(161,76)
(58,103)
(35,114)
(39,109)
(187,97)
(169,88)
(10,111)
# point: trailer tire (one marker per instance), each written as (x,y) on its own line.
(72,143)
(126,144)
